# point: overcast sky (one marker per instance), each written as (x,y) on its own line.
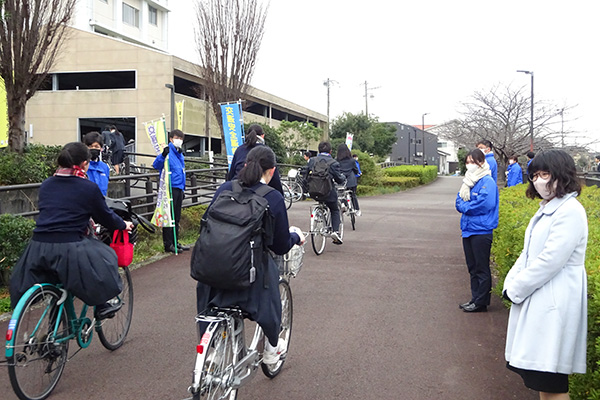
(424,56)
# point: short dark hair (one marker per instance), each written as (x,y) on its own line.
(308,154)
(476,155)
(93,137)
(176,132)
(530,154)
(73,153)
(598,156)
(484,142)
(324,147)
(516,158)
(561,167)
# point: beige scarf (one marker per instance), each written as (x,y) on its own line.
(471,178)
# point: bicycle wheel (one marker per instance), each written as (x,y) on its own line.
(39,355)
(341,228)
(287,195)
(296,191)
(287,308)
(113,331)
(351,211)
(218,367)
(317,227)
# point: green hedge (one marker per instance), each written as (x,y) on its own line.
(37,163)
(15,232)
(401,181)
(515,212)
(425,174)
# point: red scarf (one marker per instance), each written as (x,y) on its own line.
(76,170)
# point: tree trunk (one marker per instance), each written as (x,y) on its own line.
(16,125)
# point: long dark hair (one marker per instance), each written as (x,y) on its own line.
(343,152)
(258,160)
(562,171)
(73,153)
(252,136)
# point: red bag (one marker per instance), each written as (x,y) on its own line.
(122,247)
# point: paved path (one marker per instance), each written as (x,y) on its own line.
(375,318)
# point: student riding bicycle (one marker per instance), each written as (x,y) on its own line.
(261,300)
(62,249)
(349,168)
(331,200)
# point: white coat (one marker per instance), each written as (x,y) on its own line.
(547,325)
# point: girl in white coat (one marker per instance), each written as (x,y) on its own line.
(547,326)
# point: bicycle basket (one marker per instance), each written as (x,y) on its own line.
(291,262)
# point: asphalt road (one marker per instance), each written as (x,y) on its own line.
(375,318)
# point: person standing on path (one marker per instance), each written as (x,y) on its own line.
(486,147)
(117,143)
(177,170)
(546,338)
(514,173)
(478,202)
(98,172)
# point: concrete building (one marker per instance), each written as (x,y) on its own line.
(411,143)
(113,70)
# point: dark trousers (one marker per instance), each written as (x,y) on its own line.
(477,254)
(335,214)
(168,239)
(354,198)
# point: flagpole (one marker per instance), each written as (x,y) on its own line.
(168,176)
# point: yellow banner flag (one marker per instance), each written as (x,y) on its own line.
(3,116)
(179,105)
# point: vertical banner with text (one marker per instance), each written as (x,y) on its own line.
(349,138)
(179,107)
(3,116)
(232,127)
(162,213)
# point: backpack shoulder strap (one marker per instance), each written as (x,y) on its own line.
(263,190)
(236,187)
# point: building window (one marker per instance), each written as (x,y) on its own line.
(152,15)
(131,15)
(90,81)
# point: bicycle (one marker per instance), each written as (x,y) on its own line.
(294,182)
(287,195)
(223,361)
(345,197)
(320,226)
(45,320)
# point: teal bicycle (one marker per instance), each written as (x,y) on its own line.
(43,324)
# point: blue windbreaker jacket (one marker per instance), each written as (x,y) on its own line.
(176,166)
(480,214)
(515,175)
(98,172)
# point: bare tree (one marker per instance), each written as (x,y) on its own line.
(502,116)
(31,35)
(228,37)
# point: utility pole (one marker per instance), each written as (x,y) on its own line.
(562,122)
(367,89)
(531,121)
(328,83)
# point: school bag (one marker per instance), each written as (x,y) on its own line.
(234,234)
(318,180)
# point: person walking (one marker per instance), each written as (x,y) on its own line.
(117,142)
(177,170)
(478,202)
(350,170)
(514,173)
(547,326)
(486,147)
(530,155)
(254,137)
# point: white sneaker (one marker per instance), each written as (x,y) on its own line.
(358,213)
(271,355)
(336,238)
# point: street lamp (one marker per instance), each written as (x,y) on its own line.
(169,86)
(423,129)
(531,121)
(328,83)
(367,89)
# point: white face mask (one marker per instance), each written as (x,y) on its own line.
(541,185)
(177,143)
(472,167)
(483,151)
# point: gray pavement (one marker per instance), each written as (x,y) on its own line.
(375,318)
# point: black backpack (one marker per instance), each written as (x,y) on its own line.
(318,180)
(234,234)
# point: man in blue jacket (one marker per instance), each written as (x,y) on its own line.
(486,146)
(98,172)
(514,174)
(177,168)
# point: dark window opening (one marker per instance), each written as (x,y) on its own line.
(89,80)
(124,125)
(188,88)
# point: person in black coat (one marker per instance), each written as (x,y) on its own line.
(254,137)
(335,174)
(62,250)
(349,168)
(261,300)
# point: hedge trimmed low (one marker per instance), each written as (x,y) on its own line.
(515,212)
(425,174)
(401,181)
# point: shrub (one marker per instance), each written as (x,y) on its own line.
(371,172)
(515,212)
(400,181)
(15,232)
(37,163)
(425,174)
(365,190)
